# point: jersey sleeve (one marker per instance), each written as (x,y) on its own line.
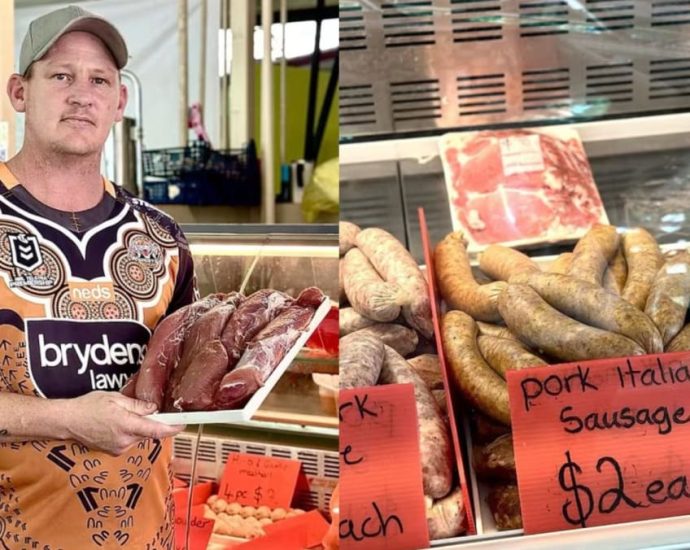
(186,290)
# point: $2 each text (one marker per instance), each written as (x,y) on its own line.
(581,501)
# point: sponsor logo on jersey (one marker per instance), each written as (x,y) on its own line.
(89,291)
(26,253)
(68,358)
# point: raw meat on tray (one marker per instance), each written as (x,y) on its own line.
(265,351)
(519,186)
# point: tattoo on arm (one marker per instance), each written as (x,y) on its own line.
(4,432)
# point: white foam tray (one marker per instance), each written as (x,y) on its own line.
(244,414)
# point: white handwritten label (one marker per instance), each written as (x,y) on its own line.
(521,154)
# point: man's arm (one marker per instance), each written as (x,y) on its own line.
(104,421)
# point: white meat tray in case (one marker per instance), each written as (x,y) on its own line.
(245,413)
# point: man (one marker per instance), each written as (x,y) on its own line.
(86,272)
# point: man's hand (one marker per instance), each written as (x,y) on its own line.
(113,423)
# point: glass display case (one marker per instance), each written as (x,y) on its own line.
(298,419)
(640,166)
(288,258)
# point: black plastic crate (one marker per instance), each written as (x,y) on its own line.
(237,173)
(173,161)
(200,175)
(172,191)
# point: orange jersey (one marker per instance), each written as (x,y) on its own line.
(79,299)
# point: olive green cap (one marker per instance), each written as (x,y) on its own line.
(46,30)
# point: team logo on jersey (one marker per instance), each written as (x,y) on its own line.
(26,253)
(145,251)
(68,358)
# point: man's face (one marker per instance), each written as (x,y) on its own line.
(73,97)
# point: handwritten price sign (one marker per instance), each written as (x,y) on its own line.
(382,500)
(200,529)
(259,480)
(602,442)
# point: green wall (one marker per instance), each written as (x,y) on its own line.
(297,85)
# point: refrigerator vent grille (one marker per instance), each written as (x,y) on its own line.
(543,17)
(416,100)
(408,23)
(481,94)
(670,12)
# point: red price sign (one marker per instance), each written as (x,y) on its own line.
(200,530)
(600,442)
(200,494)
(381,494)
(255,480)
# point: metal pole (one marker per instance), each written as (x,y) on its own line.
(184,98)
(139,131)
(223,80)
(313,87)
(229,74)
(283,90)
(326,108)
(202,62)
(267,120)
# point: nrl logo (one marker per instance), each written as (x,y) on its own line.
(26,253)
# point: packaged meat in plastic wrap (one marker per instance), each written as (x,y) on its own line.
(519,187)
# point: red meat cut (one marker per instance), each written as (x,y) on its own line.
(520,186)
(266,350)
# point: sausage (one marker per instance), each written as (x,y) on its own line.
(263,354)
(503,355)
(165,348)
(644,259)
(428,367)
(445,518)
(392,260)
(501,262)
(347,234)
(367,292)
(681,342)
(667,304)
(541,326)
(619,269)
(592,253)
(402,339)
(425,346)
(440,397)
(361,359)
(504,502)
(456,282)
(496,460)
(496,330)
(608,281)
(475,379)
(592,305)
(435,448)
(350,321)
(485,429)
(562,263)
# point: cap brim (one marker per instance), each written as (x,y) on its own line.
(100,28)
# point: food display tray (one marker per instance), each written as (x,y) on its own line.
(245,413)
